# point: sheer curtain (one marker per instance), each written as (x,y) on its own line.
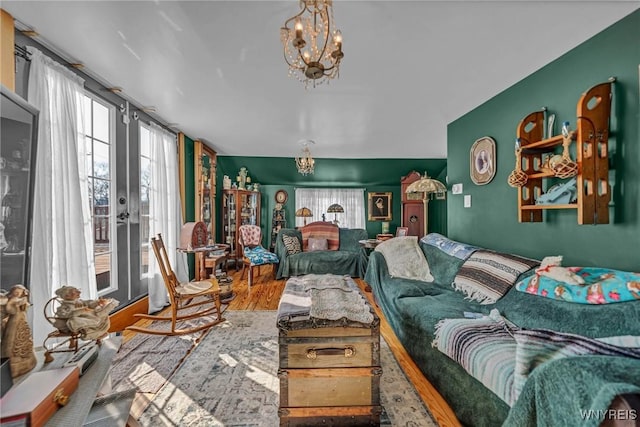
(62,242)
(319,200)
(165,212)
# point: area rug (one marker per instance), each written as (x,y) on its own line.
(230,379)
(146,361)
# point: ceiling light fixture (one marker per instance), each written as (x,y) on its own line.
(305,163)
(312,46)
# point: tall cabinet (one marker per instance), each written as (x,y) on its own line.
(205,183)
(239,207)
(18,133)
(413,207)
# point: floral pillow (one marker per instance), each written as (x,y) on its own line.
(601,286)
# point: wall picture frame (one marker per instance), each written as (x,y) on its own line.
(482,161)
(402,231)
(379,206)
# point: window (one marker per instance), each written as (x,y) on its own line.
(98,136)
(318,201)
(145,190)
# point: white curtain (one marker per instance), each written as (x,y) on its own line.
(318,201)
(165,213)
(62,242)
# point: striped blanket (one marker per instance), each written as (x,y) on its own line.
(322,297)
(503,356)
(484,347)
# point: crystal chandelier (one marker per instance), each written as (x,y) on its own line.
(305,163)
(313,46)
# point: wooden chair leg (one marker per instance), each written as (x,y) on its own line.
(242,274)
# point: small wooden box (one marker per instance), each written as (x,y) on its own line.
(329,372)
(33,401)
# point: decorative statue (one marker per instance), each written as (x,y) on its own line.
(17,342)
(88,318)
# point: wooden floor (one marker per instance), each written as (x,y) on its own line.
(265,294)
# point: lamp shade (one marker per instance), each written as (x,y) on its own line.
(426,185)
(335,208)
(304,212)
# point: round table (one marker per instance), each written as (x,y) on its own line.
(202,253)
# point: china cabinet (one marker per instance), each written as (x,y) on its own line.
(18,133)
(239,207)
(205,182)
(540,166)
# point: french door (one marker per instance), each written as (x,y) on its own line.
(117,199)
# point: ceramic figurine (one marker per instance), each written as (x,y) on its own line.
(17,342)
(88,318)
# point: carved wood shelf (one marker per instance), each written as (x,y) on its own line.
(592,157)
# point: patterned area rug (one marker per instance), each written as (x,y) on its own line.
(230,379)
(147,361)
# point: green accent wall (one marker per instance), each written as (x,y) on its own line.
(383,175)
(190,194)
(492,220)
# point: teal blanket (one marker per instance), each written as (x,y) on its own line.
(574,391)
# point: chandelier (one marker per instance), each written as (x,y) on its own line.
(305,163)
(313,47)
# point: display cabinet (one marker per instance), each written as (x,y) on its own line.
(278,221)
(540,168)
(205,182)
(239,207)
(18,133)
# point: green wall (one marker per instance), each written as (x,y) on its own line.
(492,220)
(274,173)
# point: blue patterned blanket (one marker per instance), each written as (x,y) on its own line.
(448,246)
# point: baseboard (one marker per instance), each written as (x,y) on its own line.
(125,316)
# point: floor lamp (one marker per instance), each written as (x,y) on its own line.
(426,186)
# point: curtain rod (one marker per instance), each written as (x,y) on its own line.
(21,52)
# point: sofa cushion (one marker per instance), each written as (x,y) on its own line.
(405,258)
(486,276)
(292,243)
(443,267)
(321,230)
(601,286)
(317,244)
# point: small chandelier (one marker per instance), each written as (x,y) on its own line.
(305,163)
(313,47)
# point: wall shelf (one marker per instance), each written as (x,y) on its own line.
(592,158)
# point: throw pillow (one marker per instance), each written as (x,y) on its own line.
(292,243)
(405,258)
(537,346)
(321,230)
(486,276)
(601,286)
(317,244)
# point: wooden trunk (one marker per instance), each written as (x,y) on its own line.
(330,374)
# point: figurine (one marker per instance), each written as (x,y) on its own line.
(88,318)
(17,342)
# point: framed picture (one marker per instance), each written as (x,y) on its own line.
(379,207)
(482,161)
(402,231)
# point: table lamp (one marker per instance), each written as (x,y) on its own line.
(335,209)
(304,213)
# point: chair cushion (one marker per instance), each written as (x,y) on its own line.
(260,256)
(321,230)
(196,287)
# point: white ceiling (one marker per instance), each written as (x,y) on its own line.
(216,67)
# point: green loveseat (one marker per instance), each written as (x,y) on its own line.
(350,258)
(413,309)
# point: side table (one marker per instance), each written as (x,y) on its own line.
(369,245)
(202,253)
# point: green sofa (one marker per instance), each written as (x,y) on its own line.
(413,308)
(350,258)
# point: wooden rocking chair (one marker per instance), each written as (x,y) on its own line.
(181,296)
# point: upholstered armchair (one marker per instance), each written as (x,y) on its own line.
(250,238)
